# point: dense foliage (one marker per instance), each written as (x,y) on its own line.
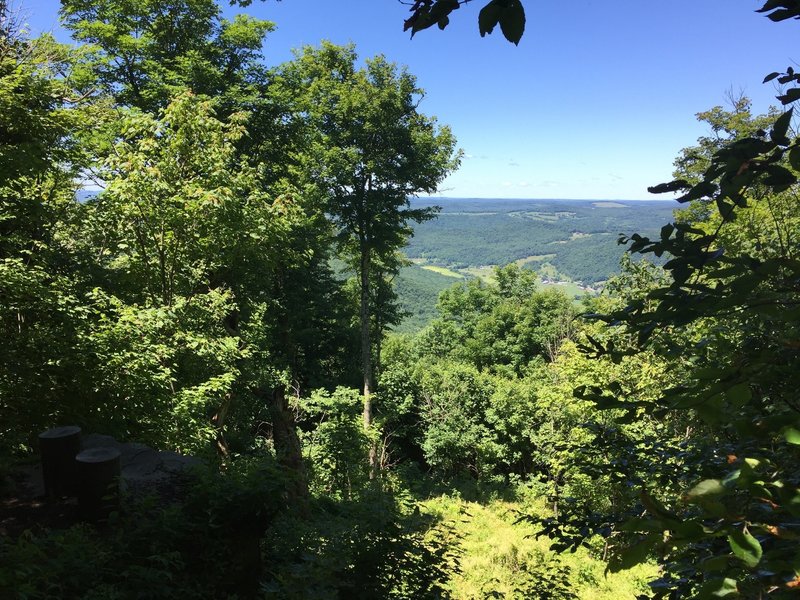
(199,302)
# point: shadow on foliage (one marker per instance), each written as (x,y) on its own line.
(236,534)
(377,546)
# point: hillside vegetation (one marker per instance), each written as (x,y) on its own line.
(230,295)
(577,237)
(571,244)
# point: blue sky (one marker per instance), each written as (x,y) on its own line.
(595,102)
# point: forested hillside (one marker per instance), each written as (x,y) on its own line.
(579,238)
(202,395)
(569,243)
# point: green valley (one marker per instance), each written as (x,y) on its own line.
(570,244)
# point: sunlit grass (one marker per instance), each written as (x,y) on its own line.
(443,271)
(572,290)
(485,272)
(534,258)
(497,550)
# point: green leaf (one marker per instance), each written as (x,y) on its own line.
(732,477)
(712,409)
(745,547)
(792,435)
(782,15)
(512,22)
(718,588)
(752,463)
(707,487)
(704,189)
(673,186)
(689,530)
(779,176)
(725,209)
(710,373)
(635,525)
(781,127)
(790,96)
(488,17)
(793,503)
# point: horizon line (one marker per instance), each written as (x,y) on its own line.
(544,199)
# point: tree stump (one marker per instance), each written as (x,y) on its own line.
(58,448)
(98,478)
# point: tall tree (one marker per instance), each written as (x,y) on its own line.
(287,304)
(368,151)
(41,319)
(147,52)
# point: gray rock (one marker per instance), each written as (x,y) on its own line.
(145,471)
(140,462)
(172,462)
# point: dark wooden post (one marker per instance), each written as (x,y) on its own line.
(98,477)
(57,448)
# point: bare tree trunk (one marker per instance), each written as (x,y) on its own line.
(218,420)
(366,355)
(287,447)
(378,345)
(284,431)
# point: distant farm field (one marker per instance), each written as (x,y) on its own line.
(571,244)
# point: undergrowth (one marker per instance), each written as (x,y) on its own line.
(501,557)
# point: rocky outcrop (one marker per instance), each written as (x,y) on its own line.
(145,471)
